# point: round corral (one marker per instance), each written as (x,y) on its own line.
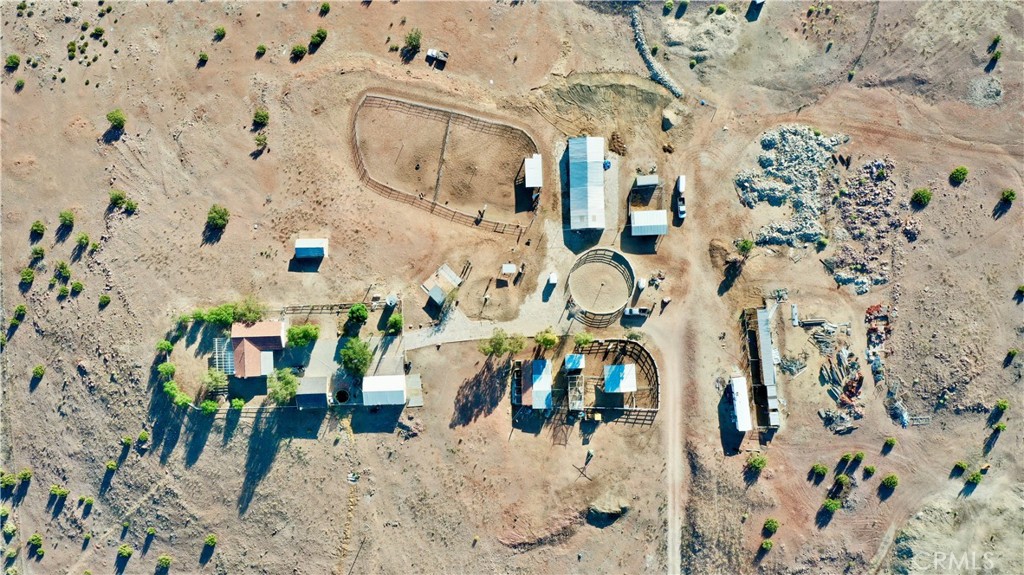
(600,284)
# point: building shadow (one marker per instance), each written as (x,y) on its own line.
(729,436)
(753,11)
(523,196)
(305,265)
(528,420)
(630,244)
(375,419)
(479,395)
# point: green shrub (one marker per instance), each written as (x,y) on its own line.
(859,456)
(211,540)
(130,206)
(260,117)
(63,291)
(999,427)
(975,478)
(62,270)
(38,371)
(997,40)
(204,58)
(721,9)
(28,275)
(325,8)
(395,323)
(215,379)
(59,491)
(771,526)
(767,545)
(237,403)
(164,346)
(961,466)
(819,469)
(82,240)
(261,140)
(693,63)
(97,32)
(4,512)
(412,40)
(298,52)
(117,198)
(921,197)
(10,529)
(957,176)
(20,310)
(843,479)
(67,218)
(669,4)
(997,55)
(1002,404)
(36,540)
(218,216)
(756,462)
(282,386)
(104,300)
(583,338)
(546,339)
(318,37)
(117,119)
(303,335)
(1008,195)
(890,442)
(261,50)
(38,252)
(88,503)
(127,441)
(219,33)
(125,551)
(77,287)
(163,561)
(8,480)
(111,465)
(501,343)
(209,407)
(832,505)
(745,246)
(654,50)
(151,531)
(846,457)
(891,481)
(38,228)
(25,474)
(355,356)
(143,436)
(358,313)
(166,370)
(13,61)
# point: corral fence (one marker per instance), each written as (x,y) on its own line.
(620,264)
(430,205)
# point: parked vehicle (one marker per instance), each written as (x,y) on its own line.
(436,56)
(638,311)
(681,197)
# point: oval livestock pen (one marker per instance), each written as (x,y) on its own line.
(593,286)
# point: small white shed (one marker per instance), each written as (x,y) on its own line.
(384,390)
(620,378)
(649,222)
(533,168)
(311,248)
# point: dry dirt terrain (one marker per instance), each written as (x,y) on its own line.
(459,485)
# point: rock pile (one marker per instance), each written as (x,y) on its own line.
(790,172)
(658,73)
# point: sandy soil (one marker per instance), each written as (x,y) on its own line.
(436,490)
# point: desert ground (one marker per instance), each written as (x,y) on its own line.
(468,483)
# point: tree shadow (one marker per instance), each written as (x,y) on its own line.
(408,54)
(1000,209)
(994,416)
(255,154)
(112,135)
(206,554)
(86,510)
(823,517)
(108,477)
(956,472)
(990,442)
(62,232)
(750,475)
(884,493)
(480,394)
(263,447)
(231,425)
(991,65)
(681,10)
(732,273)
(147,543)
(197,427)
(1008,359)
(120,564)
(753,11)
(967,489)
(886,449)
(814,477)
(212,234)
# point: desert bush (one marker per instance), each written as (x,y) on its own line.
(64,291)
(282,386)
(62,270)
(654,50)
(10,528)
(846,457)
(13,61)
(721,9)
(767,545)
(209,407)
(215,379)
(166,370)
(819,469)
(237,403)
(891,481)
(693,63)
(1008,195)
(260,117)
(20,310)
(997,55)
(890,442)
(125,551)
(756,462)
(28,275)
(261,50)
(36,540)
(975,478)
(669,5)
(261,140)
(117,119)
(130,206)
(999,427)
(163,561)
(962,466)
(164,346)
(38,228)
(958,175)
(745,246)
(77,287)
(38,371)
(117,198)
(204,58)
(143,436)
(104,300)
(8,480)
(997,40)
(25,474)
(127,441)
(832,505)
(38,252)
(218,216)
(59,491)
(546,339)
(635,335)
(318,37)
(501,343)
(355,356)
(298,52)
(151,531)
(843,479)
(1002,404)
(412,40)
(211,540)
(67,218)
(921,197)
(4,512)
(583,338)
(82,240)
(111,465)
(395,323)
(859,456)
(97,32)
(325,8)
(219,33)
(303,335)
(771,525)
(358,313)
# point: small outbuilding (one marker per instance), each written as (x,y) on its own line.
(310,248)
(649,181)
(575,362)
(384,390)
(312,393)
(540,384)
(649,222)
(253,347)
(620,378)
(533,170)
(509,269)
(741,404)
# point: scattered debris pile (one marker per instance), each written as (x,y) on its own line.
(790,172)
(616,144)
(877,319)
(866,210)
(839,422)
(658,72)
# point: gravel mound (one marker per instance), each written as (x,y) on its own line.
(985,92)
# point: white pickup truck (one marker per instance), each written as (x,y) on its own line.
(681,197)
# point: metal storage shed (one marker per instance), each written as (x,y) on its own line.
(649,222)
(741,403)
(312,393)
(533,168)
(310,248)
(650,181)
(384,390)
(620,378)
(575,361)
(541,383)
(586,183)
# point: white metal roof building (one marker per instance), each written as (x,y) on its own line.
(541,388)
(620,378)
(648,181)
(384,390)
(586,183)
(649,222)
(741,403)
(533,168)
(311,248)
